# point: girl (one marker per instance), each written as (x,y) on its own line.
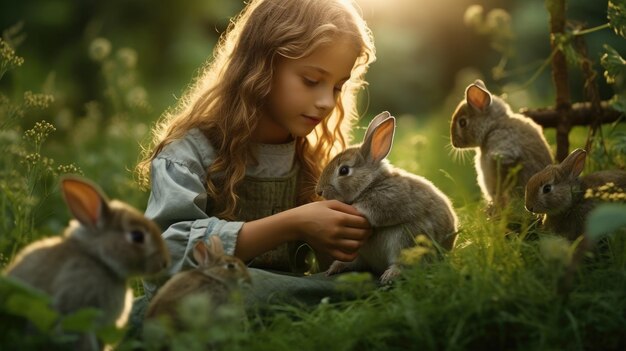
(240,155)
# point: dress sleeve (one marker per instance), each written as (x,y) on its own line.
(177,203)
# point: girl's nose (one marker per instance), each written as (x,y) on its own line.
(326,99)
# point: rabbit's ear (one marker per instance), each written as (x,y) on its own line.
(574,163)
(378,143)
(86,202)
(478,96)
(216,246)
(201,253)
(375,122)
(206,254)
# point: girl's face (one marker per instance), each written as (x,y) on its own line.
(305,91)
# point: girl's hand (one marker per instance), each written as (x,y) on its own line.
(332,227)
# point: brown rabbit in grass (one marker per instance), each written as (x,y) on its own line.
(90,264)
(217,276)
(558,193)
(399,205)
(503,141)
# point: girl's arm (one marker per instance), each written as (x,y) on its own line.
(177,203)
(331,227)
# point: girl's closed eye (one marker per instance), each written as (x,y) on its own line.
(309,82)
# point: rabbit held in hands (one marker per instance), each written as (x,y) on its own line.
(216,277)
(108,242)
(399,205)
(558,192)
(504,141)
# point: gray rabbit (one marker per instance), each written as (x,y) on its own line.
(503,140)
(558,192)
(90,264)
(399,205)
(217,276)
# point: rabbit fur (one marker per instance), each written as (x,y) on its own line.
(503,141)
(216,277)
(558,193)
(108,242)
(399,205)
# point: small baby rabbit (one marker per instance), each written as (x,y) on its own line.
(399,205)
(503,141)
(216,277)
(558,192)
(89,265)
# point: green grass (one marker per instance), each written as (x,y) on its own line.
(494,291)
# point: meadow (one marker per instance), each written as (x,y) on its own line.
(507,284)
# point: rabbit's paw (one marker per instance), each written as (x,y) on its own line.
(390,274)
(338,267)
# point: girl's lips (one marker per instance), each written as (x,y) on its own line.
(313,120)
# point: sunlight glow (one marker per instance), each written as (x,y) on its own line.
(417,8)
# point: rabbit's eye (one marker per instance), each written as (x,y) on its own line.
(547,188)
(462,122)
(344,170)
(136,236)
(230,265)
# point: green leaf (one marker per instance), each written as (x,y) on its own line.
(616,12)
(604,220)
(33,308)
(9,285)
(82,320)
(619,143)
(565,44)
(111,334)
(618,103)
(613,64)
(21,300)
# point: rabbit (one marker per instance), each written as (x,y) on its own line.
(558,193)
(399,205)
(503,141)
(216,277)
(106,243)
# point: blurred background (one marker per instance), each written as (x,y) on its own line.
(422,45)
(113,67)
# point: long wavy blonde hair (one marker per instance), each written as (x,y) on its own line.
(226,100)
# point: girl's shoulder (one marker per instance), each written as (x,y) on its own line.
(193,150)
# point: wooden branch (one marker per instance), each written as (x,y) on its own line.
(560,78)
(581,114)
(592,92)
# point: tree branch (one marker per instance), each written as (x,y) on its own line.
(560,78)
(581,114)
